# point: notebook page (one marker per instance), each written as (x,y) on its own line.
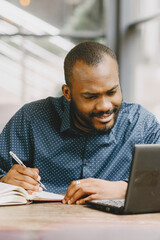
(12,190)
(42,196)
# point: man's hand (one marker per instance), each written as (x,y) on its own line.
(94,189)
(24,177)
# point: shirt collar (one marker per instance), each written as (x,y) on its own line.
(124,113)
(111,137)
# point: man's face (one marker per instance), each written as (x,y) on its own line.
(95,95)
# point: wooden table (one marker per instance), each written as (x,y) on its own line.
(40,221)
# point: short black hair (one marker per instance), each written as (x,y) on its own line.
(90,52)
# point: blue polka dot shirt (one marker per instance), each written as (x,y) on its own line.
(42,136)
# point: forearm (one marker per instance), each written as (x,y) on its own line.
(120,188)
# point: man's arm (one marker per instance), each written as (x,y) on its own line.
(94,189)
(17,137)
(151,133)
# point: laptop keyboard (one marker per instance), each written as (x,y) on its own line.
(115,203)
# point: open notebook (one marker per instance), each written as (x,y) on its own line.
(14,195)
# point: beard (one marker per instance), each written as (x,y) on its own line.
(85,123)
(105,128)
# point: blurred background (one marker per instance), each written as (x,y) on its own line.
(35,36)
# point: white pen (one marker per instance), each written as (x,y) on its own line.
(22,164)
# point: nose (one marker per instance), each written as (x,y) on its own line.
(103,104)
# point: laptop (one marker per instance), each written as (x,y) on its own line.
(143,192)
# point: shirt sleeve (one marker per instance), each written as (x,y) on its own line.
(151,131)
(16,137)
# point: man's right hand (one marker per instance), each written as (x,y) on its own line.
(24,177)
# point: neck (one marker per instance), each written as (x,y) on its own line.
(77,122)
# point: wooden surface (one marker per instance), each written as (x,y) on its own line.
(43,220)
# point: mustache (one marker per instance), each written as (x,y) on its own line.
(101,113)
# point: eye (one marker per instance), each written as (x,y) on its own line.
(111,93)
(90,97)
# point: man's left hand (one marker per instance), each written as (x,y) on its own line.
(91,188)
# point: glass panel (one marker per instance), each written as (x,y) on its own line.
(140,9)
(146,55)
(34,41)
(147,70)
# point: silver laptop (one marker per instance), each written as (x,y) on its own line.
(143,193)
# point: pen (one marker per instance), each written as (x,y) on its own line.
(22,164)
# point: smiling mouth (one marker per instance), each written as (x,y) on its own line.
(105,118)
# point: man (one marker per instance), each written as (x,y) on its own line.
(82,142)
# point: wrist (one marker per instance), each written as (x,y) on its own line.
(123,188)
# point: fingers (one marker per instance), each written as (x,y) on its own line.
(79,193)
(72,189)
(30,172)
(36,170)
(76,191)
(71,194)
(80,196)
(24,177)
(88,198)
(27,186)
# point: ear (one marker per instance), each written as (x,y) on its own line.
(66,92)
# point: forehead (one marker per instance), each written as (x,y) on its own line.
(88,77)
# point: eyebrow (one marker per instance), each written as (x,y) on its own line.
(95,94)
